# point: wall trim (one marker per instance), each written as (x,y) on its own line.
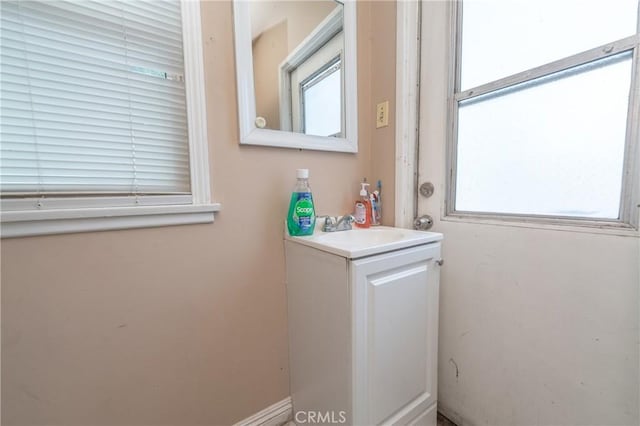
(407,98)
(64,221)
(275,415)
(196,102)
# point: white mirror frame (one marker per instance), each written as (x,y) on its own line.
(252,135)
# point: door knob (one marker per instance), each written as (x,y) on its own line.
(423,223)
(427,189)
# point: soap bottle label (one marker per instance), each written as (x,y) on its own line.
(360,213)
(302,213)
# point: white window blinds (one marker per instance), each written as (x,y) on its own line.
(93,98)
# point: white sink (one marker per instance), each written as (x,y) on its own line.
(365,242)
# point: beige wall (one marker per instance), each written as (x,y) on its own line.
(269,50)
(180,325)
(383,88)
(305,19)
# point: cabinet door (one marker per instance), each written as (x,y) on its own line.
(395,299)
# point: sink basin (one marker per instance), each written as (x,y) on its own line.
(366,242)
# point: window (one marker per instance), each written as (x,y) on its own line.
(321,101)
(102,116)
(316,91)
(311,94)
(545,111)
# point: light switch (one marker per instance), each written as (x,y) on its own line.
(382,114)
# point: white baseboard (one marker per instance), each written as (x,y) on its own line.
(274,415)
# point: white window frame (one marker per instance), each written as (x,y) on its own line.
(56,215)
(630,197)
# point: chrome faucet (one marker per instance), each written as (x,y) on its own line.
(332,224)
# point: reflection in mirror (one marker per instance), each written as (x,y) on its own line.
(298,66)
(307,97)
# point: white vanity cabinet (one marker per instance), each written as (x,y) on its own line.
(363,329)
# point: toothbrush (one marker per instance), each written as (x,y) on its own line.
(379,203)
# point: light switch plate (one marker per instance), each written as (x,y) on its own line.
(382,114)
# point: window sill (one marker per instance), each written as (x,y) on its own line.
(63,221)
(557,224)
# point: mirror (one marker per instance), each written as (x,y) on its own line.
(296,72)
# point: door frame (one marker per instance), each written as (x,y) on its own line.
(408,19)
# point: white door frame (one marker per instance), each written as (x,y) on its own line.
(407,102)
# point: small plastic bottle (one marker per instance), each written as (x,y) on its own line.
(363,208)
(301,219)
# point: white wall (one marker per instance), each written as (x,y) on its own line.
(542,325)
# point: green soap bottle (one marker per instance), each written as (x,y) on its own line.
(301,219)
